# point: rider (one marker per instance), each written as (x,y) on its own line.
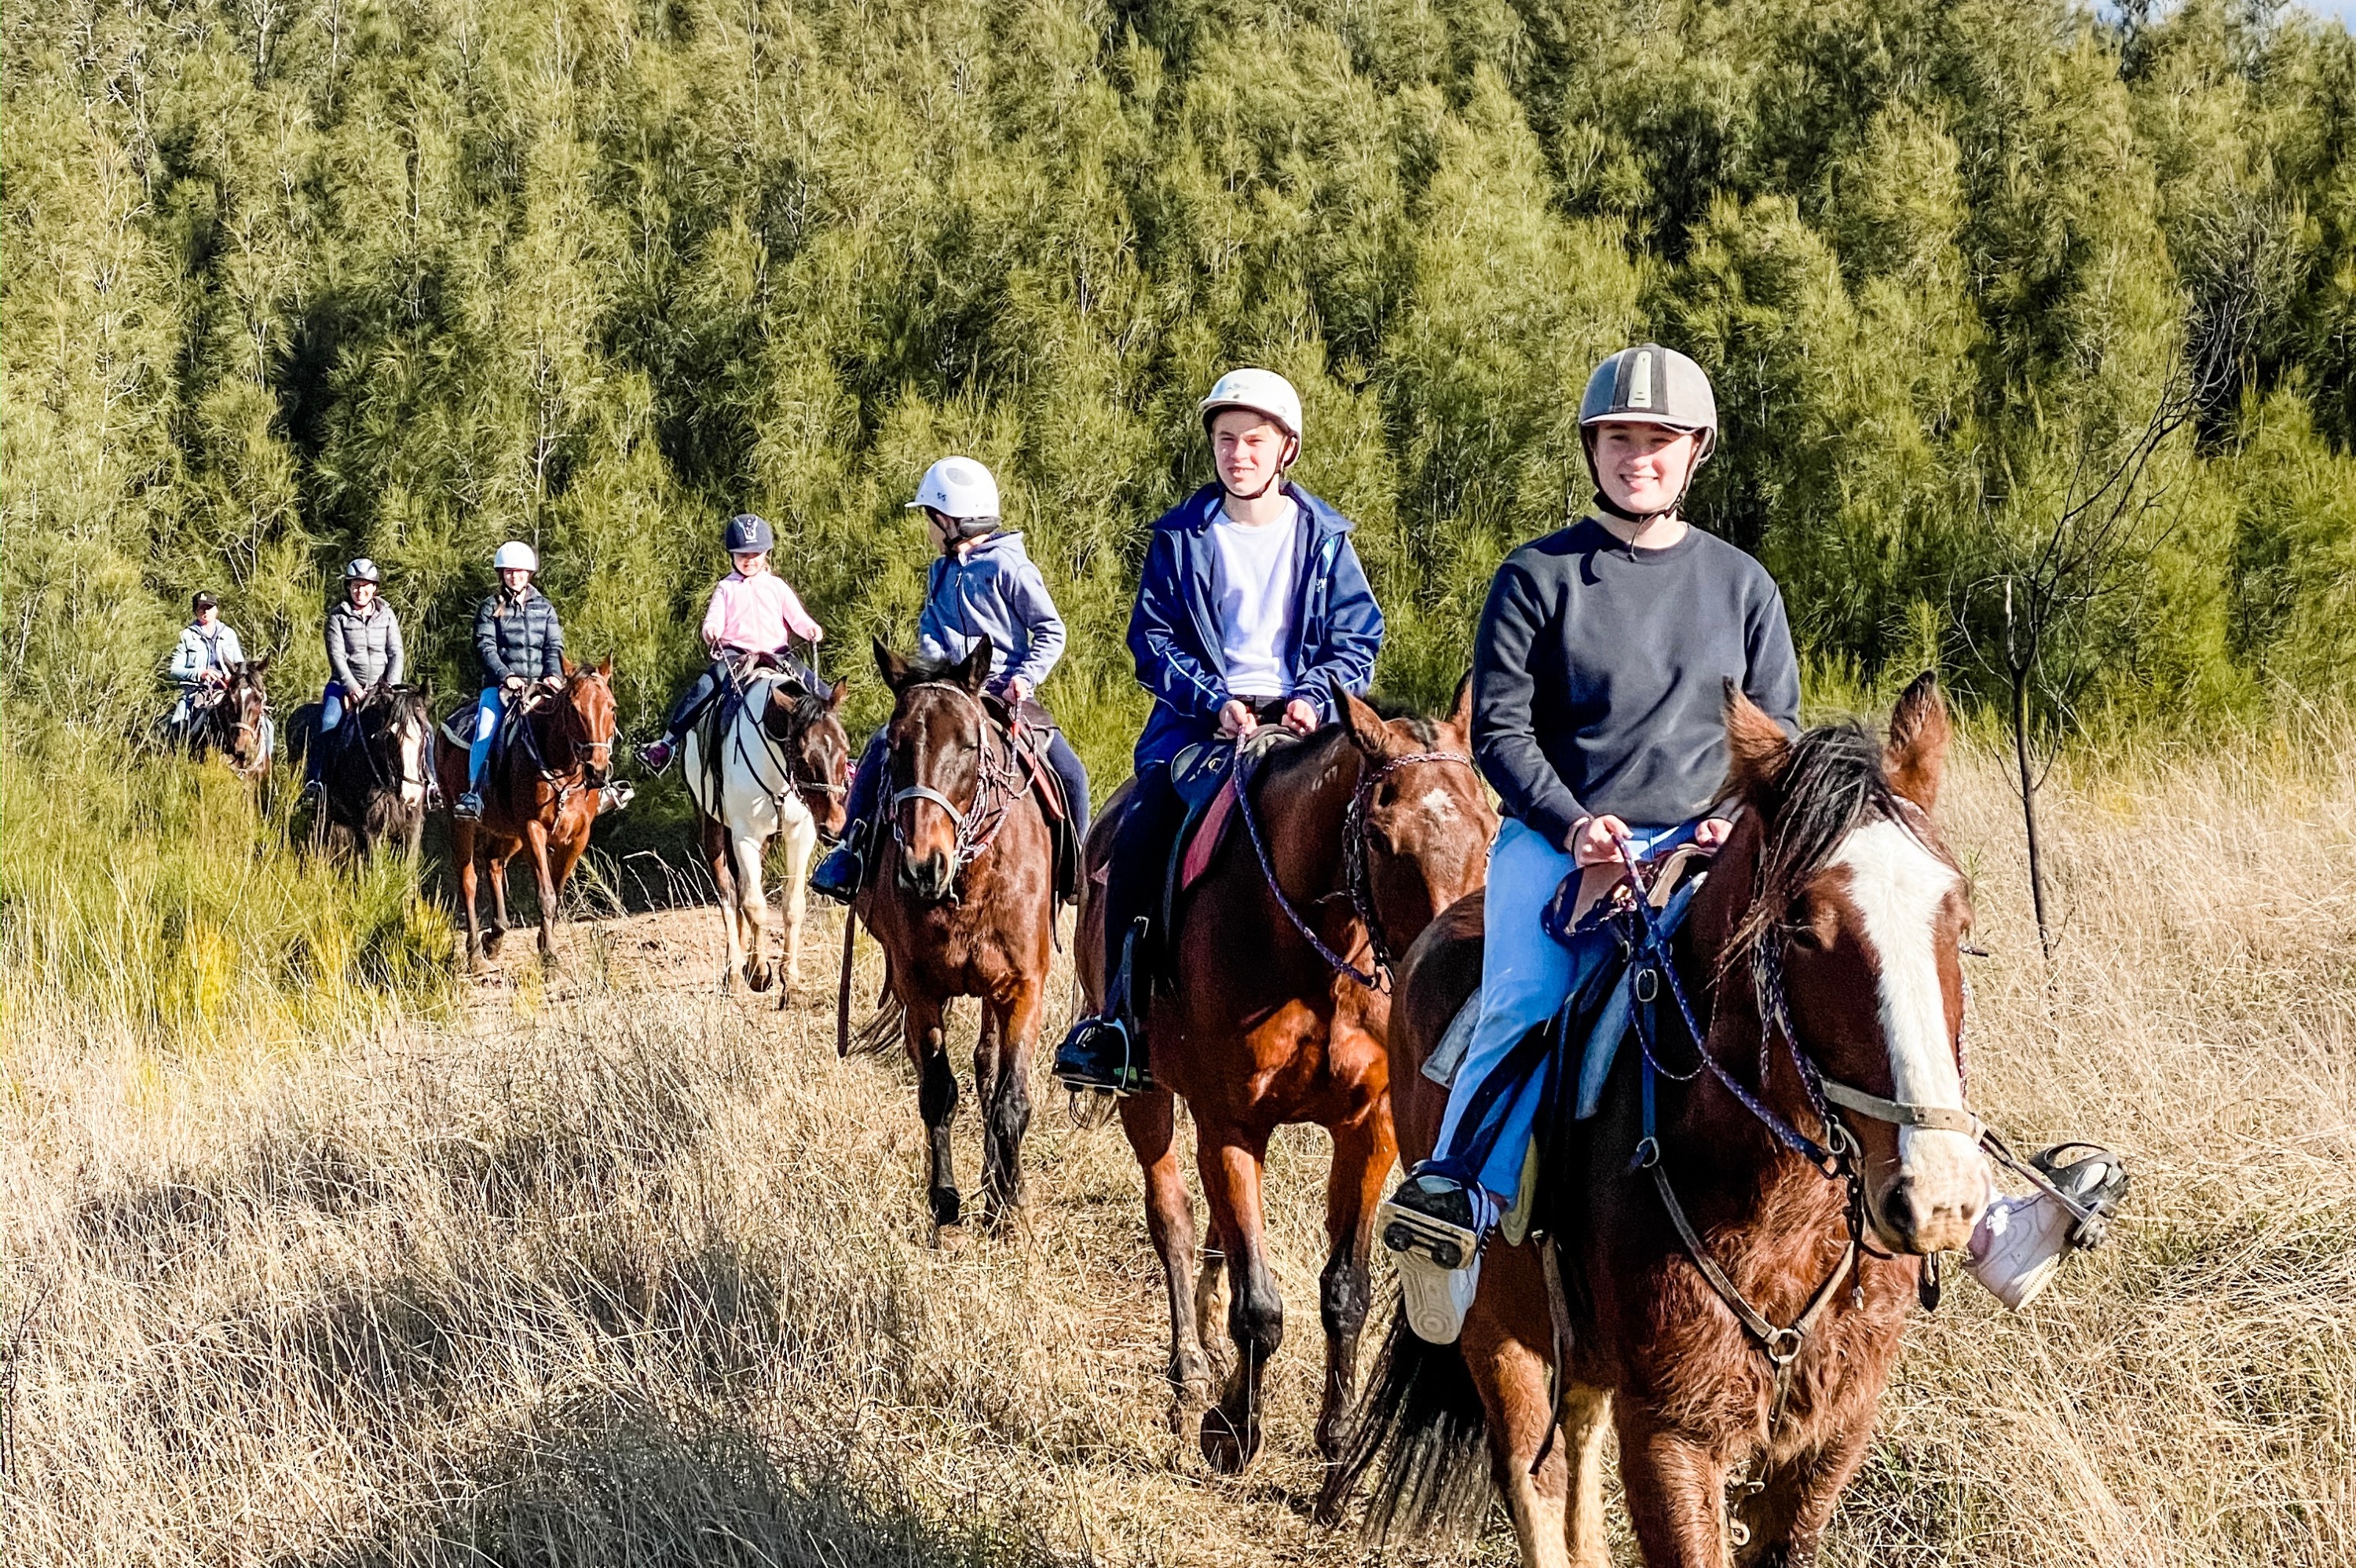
(983,589)
(753,612)
(1252,603)
(364,652)
(518,640)
(207,651)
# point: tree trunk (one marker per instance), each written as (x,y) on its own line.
(2028,808)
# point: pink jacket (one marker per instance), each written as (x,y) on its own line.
(756,613)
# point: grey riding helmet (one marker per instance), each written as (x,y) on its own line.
(748,534)
(361,569)
(1652,385)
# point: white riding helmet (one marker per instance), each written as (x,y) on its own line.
(958,487)
(515,552)
(1262,392)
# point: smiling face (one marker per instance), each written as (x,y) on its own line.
(1249,448)
(751,563)
(513,577)
(361,592)
(1643,468)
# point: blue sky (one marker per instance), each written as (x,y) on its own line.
(2344,9)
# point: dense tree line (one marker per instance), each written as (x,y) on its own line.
(293,280)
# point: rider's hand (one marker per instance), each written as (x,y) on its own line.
(1591,840)
(1235,720)
(1018,692)
(513,682)
(1300,717)
(1712,832)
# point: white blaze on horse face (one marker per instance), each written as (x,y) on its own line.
(1897,886)
(413,764)
(1439,805)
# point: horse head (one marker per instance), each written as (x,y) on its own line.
(806,726)
(1855,921)
(245,713)
(1422,820)
(396,726)
(588,719)
(938,771)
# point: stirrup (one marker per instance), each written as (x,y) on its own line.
(841,890)
(469,807)
(1078,1060)
(2094,1180)
(1410,1227)
(1439,1261)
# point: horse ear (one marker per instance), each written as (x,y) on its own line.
(1367,731)
(566,665)
(835,694)
(605,667)
(1460,712)
(891,667)
(1919,736)
(255,667)
(975,671)
(1756,745)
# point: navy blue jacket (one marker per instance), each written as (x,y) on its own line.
(1173,633)
(518,636)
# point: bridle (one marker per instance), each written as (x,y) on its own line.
(577,773)
(236,716)
(781,754)
(997,782)
(404,711)
(1354,873)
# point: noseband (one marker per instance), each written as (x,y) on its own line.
(1354,873)
(996,785)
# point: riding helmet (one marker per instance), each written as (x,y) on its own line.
(1259,391)
(515,553)
(747,534)
(1652,385)
(959,488)
(362,569)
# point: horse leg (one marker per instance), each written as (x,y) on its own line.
(801,845)
(1230,1162)
(751,908)
(536,837)
(1676,1491)
(717,855)
(936,1100)
(1507,1346)
(1363,1152)
(1011,1031)
(498,865)
(465,851)
(1150,1121)
(1787,1515)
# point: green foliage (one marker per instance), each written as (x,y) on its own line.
(288,283)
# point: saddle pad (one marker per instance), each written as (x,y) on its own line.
(1448,1057)
(1210,828)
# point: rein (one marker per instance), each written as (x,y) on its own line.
(791,781)
(573,778)
(996,786)
(1375,976)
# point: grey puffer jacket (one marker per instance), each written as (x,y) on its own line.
(364,646)
(518,637)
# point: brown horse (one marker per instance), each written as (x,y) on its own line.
(967,908)
(377,777)
(234,721)
(542,793)
(1833,910)
(1370,829)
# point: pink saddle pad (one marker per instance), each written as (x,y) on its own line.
(1207,834)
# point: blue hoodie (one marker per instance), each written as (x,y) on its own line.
(996,596)
(1174,634)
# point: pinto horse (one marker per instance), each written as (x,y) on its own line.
(540,792)
(235,721)
(774,764)
(966,910)
(378,773)
(1352,838)
(1833,911)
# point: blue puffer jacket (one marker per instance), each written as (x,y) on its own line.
(1173,633)
(516,636)
(994,595)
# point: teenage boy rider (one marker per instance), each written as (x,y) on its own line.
(1252,603)
(983,588)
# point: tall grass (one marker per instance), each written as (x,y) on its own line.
(171,898)
(627,1273)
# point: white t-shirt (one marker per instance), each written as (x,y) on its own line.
(1253,591)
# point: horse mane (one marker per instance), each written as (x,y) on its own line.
(803,706)
(1832,782)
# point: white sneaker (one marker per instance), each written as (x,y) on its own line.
(1433,1226)
(2017,1245)
(1436,1299)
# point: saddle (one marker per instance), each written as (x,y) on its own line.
(1207,776)
(1030,728)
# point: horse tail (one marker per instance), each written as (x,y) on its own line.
(1422,1424)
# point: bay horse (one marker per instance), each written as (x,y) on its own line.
(1278,1014)
(234,721)
(542,793)
(967,908)
(779,767)
(378,775)
(1727,1299)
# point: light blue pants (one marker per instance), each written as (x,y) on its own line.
(1526,976)
(487,709)
(331,707)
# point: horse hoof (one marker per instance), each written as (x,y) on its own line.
(1224,1449)
(948,1209)
(759,977)
(492,944)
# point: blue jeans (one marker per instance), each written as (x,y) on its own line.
(487,709)
(331,715)
(867,781)
(1526,976)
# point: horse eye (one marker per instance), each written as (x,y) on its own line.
(1801,932)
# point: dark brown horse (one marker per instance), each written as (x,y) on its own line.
(541,794)
(378,774)
(234,721)
(1834,909)
(1364,819)
(964,903)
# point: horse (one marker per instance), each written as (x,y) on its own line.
(780,767)
(542,791)
(234,721)
(376,778)
(966,910)
(1355,838)
(1729,1281)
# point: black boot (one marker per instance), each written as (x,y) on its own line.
(1106,1053)
(840,873)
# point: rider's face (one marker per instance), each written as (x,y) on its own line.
(1249,450)
(206,616)
(361,593)
(1642,467)
(513,577)
(752,562)
(943,529)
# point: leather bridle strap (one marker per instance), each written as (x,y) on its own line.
(1900,1112)
(921,792)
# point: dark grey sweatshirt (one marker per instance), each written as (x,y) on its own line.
(1599,675)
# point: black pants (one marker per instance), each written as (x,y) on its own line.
(706,685)
(1140,865)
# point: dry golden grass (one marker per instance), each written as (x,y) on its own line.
(621,1271)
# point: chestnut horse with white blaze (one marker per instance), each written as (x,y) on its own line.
(541,793)
(1724,1298)
(1369,827)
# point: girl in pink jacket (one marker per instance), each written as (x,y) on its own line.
(752,611)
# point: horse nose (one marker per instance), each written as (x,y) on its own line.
(1935,1202)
